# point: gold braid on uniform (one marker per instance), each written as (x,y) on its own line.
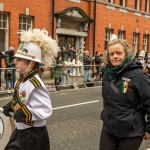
(22,114)
(35,82)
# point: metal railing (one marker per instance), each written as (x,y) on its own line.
(70,76)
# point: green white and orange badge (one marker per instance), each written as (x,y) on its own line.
(125,84)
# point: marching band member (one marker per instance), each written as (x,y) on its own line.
(31,103)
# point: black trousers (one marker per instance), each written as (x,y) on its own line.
(57,81)
(34,138)
(109,142)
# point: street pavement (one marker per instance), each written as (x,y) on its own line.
(75,123)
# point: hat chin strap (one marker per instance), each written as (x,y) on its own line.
(27,69)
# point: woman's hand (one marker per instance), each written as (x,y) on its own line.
(146,136)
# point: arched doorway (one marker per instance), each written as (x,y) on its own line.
(72,28)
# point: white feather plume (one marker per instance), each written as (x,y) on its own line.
(49,46)
(113,37)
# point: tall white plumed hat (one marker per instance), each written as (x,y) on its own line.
(113,37)
(37,46)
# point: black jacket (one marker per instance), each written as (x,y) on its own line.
(97,60)
(86,62)
(71,54)
(120,119)
(1,56)
(10,72)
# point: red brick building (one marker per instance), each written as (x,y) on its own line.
(84,24)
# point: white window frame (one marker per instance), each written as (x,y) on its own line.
(6,28)
(147,6)
(121,34)
(3,21)
(23,22)
(123,2)
(135,43)
(137,4)
(108,33)
(145,42)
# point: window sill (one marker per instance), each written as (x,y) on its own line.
(123,10)
(111,7)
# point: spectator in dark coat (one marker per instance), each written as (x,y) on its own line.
(72,53)
(10,72)
(97,65)
(126,111)
(86,63)
(1,57)
(58,66)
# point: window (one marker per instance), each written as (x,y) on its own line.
(25,22)
(3,31)
(3,21)
(135,43)
(121,34)
(147,6)
(61,41)
(145,42)
(66,41)
(122,3)
(71,41)
(137,4)
(110,1)
(108,33)
(70,25)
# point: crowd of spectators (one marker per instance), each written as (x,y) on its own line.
(67,64)
(9,70)
(144,59)
(68,67)
(70,64)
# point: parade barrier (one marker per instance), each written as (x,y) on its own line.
(6,128)
(72,80)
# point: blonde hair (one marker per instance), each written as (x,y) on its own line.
(35,66)
(122,42)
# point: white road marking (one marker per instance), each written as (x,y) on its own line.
(62,93)
(73,105)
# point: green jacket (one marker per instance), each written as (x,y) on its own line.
(58,70)
(10,74)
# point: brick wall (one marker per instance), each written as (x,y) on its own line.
(106,16)
(117,18)
(42,12)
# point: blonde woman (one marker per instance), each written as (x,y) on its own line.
(126,100)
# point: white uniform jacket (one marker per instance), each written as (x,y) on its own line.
(31,102)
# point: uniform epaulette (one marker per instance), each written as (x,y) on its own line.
(35,82)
